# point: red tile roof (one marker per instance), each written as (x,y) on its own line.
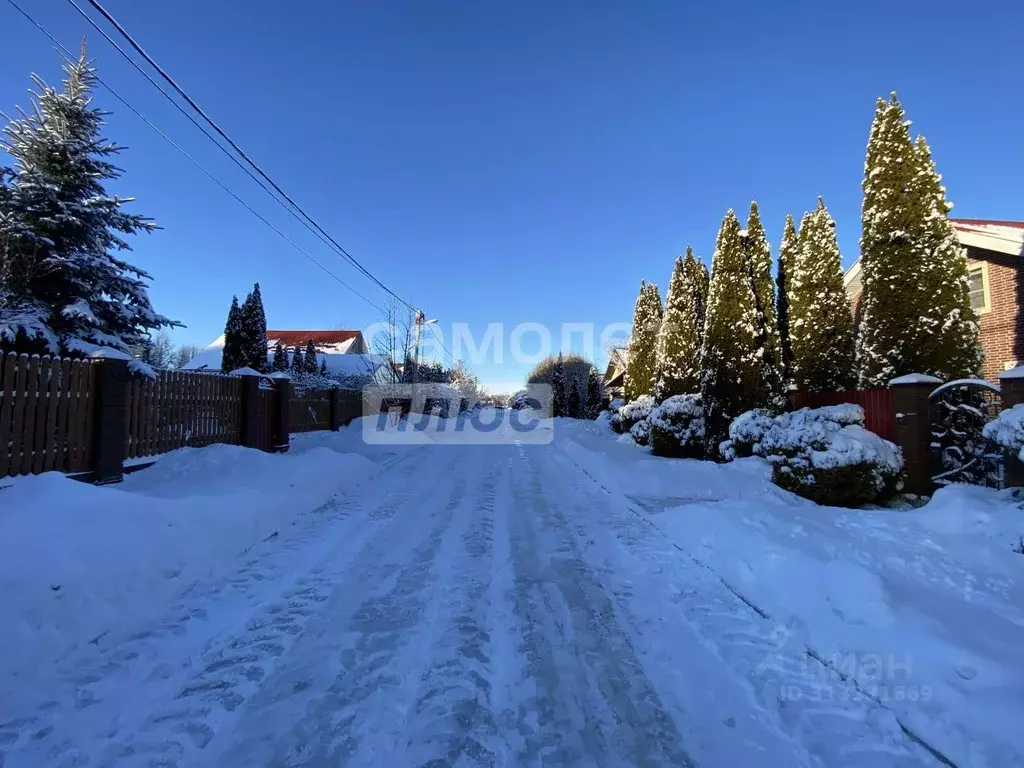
(989,222)
(293,338)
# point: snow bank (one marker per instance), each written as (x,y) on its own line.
(77,560)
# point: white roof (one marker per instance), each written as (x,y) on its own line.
(339,359)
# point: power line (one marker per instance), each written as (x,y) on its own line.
(192,160)
(437,338)
(170,81)
(205,131)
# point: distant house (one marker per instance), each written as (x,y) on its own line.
(615,373)
(344,352)
(994,251)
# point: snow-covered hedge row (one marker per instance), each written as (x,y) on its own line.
(1007,430)
(824,454)
(677,427)
(633,417)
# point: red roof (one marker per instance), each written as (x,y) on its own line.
(293,338)
(989,222)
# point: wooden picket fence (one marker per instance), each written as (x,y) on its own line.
(181,409)
(310,410)
(45,414)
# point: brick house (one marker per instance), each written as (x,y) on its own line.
(995,269)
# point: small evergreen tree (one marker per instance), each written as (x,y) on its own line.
(558,402)
(641,372)
(575,403)
(915,314)
(254,331)
(771,393)
(62,289)
(678,344)
(700,296)
(279,362)
(309,361)
(729,355)
(821,322)
(231,355)
(323,366)
(594,398)
(787,255)
(297,361)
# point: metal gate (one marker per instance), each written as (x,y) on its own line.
(960,453)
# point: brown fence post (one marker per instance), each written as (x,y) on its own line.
(282,410)
(110,418)
(912,416)
(1011,385)
(249,409)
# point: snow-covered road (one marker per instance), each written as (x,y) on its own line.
(473,605)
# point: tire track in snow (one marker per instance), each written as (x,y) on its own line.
(593,703)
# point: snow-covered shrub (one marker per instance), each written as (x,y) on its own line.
(677,427)
(614,417)
(1007,430)
(634,416)
(824,454)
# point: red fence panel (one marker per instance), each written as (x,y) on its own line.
(877,405)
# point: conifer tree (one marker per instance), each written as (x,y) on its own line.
(231,355)
(593,407)
(323,365)
(575,403)
(677,356)
(641,371)
(701,280)
(62,288)
(297,361)
(771,393)
(558,401)
(915,310)
(279,361)
(787,255)
(254,331)
(821,323)
(729,352)
(309,360)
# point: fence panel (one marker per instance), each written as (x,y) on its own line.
(310,410)
(877,405)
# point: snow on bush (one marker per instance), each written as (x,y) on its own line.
(633,417)
(614,417)
(1007,430)
(677,427)
(824,454)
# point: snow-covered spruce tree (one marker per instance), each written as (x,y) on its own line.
(558,401)
(915,314)
(678,344)
(729,353)
(279,360)
(297,362)
(640,375)
(309,361)
(594,395)
(575,407)
(63,288)
(820,320)
(231,355)
(771,391)
(787,255)
(254,331)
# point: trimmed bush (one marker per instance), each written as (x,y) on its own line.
(677,427)
(1007,430)
(823,454)
(633,418)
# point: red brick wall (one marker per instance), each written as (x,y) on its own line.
(1001,325)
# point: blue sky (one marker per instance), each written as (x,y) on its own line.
(528,161)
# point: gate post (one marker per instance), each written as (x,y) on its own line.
(110,417)
(249,410)
(1011,385)
(913,426)
(282,410)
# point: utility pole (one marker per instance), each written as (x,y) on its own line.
(421,320)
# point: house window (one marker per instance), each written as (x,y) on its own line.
(977,279)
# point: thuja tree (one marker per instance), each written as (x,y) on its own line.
(641,373)
(787,255)
(677,357)
(771,393)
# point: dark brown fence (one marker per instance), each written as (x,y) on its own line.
(310,410)
(50,414)
(179,409)
(877,405)
(45,414)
